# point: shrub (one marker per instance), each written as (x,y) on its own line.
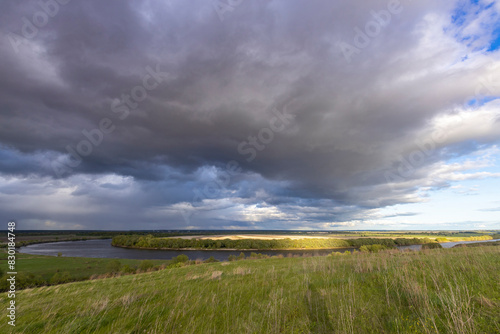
(431,246)
(210,260)
(232,258)
(126,269)
(378,248)
(56,279)
(181,258)
(372,248)
(59,278)
(145,265)
(258,256)
(114,266)
(23,281)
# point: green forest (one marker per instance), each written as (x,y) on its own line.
(149,241)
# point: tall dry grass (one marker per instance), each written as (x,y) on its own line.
(435,291)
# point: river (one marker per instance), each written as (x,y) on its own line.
(101,248)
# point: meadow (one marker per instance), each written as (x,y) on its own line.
(152,242)
(37,270)
(297,240)
(438,290)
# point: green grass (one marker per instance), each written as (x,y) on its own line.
(151,241)
(24,240)
(79,268)
(441,290)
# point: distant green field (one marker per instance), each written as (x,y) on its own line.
(152,242)
(78,268)
(442,290)
(24,240)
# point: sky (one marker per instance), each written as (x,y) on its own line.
(262,114)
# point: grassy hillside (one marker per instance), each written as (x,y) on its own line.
(445,290)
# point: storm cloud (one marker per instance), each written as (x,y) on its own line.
(242,114)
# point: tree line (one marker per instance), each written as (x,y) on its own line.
(149,241)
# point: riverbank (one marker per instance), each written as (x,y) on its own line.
(235,249)
(22,243)
(103,248)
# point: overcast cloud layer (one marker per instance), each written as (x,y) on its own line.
(247,114)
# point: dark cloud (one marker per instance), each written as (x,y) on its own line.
(359,135)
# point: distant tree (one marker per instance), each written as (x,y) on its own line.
(372,248)
(431,246)
(181,258)
(210,260)
(28,280)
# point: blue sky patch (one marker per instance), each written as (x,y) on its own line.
(495,43)
(488,37)
(479,101)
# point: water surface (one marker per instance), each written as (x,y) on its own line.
(102,248)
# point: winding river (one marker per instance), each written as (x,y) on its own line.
(101,248)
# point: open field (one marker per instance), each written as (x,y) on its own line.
(393,235)
(76,268)
(50,237)
(443,290)
(255,236)
(24,240)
